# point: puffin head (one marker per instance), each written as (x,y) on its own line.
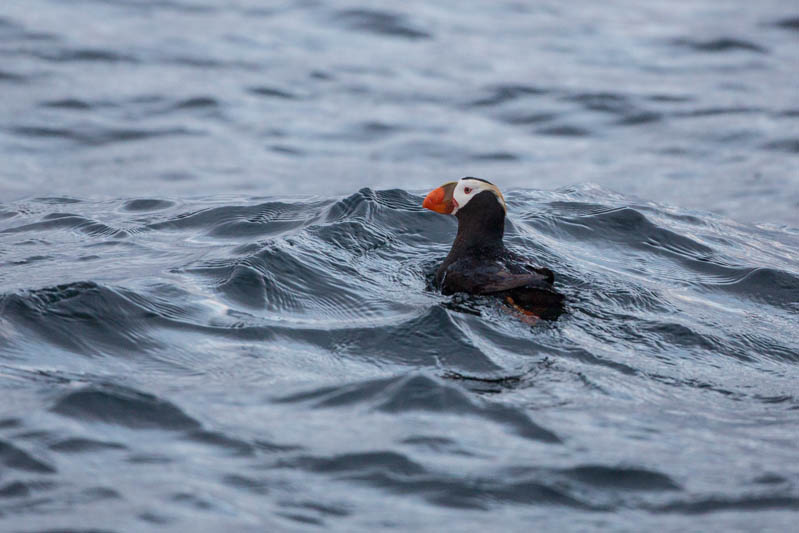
(455,195)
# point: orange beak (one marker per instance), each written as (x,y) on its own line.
(440,200)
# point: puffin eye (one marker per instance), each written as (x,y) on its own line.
(467,190)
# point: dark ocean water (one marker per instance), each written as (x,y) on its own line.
(214,266)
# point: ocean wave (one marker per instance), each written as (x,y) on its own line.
(243,292)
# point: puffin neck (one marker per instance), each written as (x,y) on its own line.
(481,225)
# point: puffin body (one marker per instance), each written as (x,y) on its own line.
(478,262)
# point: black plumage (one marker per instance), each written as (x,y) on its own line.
(479,263)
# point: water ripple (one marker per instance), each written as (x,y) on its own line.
(309,321)
(216,307)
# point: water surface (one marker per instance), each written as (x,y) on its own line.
(251,361)
(694,104)
(214,266)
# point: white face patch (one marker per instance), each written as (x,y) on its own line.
(468,188)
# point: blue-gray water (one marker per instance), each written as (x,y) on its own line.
(214,265)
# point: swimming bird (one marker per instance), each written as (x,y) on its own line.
(479,263)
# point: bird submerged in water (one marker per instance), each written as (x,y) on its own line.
(479,263)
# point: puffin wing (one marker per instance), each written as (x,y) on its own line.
(504,281)
(521,264)
(488,278)
(530,293)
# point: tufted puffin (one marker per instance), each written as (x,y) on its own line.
(479,263)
